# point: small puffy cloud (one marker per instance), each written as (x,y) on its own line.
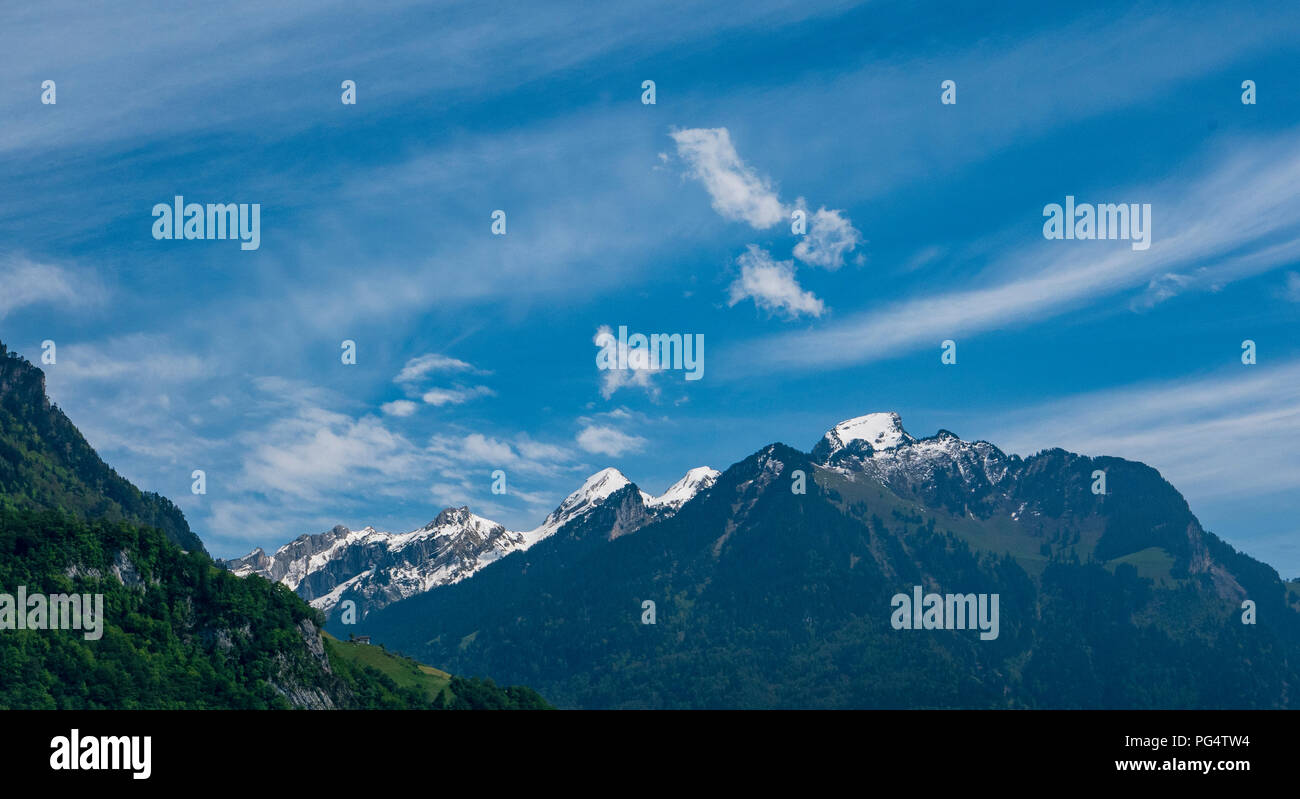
(772,286)
(613,353)
(399,408)
(738,192)
(830,237)
(455,396)
(606,440)
(419,367)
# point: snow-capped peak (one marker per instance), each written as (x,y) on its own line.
(601,484)
(595,490)
(900,460)
(682,491)
(880,430)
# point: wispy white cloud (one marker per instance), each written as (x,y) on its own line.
(419,369)
(135,357)
(322,456)
(1233,433)
(738,192)
(141,396)
(202,63)
(1240,219)
(28,282)
(458,395)
(520,453)
(233,526)
(421,366)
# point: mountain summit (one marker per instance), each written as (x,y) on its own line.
(878,430)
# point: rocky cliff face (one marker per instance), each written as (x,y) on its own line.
(288,682)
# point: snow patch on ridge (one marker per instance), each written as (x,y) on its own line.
(685,489)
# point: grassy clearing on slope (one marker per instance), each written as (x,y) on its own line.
(404,671)
(1152,563)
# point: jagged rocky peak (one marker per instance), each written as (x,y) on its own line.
(455,523)
(254,561)
(458,518)
(451,515)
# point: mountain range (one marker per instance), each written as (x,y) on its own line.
(773,584)
(375,569)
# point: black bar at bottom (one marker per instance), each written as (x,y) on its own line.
(328,750)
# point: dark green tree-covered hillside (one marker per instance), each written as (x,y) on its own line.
(179,632)
(45,463)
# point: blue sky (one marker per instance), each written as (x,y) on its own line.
(475,351)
